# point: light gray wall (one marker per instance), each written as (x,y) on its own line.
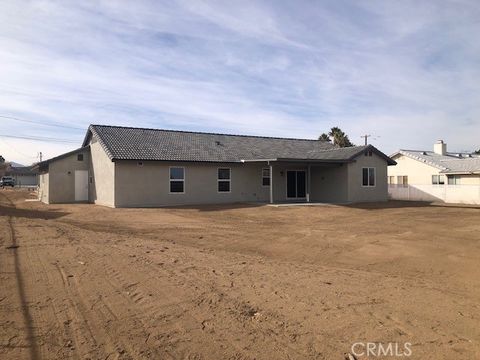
(25,180)
(61,177)
(329,184)
(148,185)
(280,179)
(102,171)
(359,193)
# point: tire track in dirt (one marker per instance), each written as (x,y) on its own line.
(236,314)
(85,332)
(27,317)
(161,303)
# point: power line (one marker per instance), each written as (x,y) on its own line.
(40,138)
(16,150)
(41,123)
(366,136)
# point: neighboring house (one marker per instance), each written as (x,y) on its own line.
(134,167)
(24,176)
(435,175)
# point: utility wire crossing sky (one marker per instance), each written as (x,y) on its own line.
(405,72)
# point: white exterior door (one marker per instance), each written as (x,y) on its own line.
(81,185)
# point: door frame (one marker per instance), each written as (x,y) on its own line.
(296,185)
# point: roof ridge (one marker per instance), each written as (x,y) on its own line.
(416,150)
(418,158)
(208,133)
(346,147)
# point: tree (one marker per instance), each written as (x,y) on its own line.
(3,166)
(339,137)
(477,152)
(324,137)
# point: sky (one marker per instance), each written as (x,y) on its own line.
(405,72)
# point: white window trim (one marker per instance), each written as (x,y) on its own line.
(456,180)
(374,178)
(267,177)
(400,181)
(445,180)
(229,180)
(170,180)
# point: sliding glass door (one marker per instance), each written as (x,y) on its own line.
(296,184)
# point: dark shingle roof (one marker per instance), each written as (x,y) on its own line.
(127,143)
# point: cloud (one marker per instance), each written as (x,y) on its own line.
(406,72)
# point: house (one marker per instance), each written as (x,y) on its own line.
(24,176)
(135,167)
(436,175)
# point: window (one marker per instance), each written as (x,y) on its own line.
(80,157)
(368,153)
(402,181)
(368,176)
(223,180)
(438,179)
(266,176)
(177,180)
(453,180)
(391,180)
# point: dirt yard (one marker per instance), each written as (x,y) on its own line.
(237,282)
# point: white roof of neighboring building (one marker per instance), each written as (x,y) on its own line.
(450,163)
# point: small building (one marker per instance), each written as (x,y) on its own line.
(437,175)
(24,176)
(136,167)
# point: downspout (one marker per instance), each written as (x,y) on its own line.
(271,182)
(308,182)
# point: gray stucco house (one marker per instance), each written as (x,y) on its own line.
(135,167)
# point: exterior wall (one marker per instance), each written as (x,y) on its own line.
(148,185)
(43,188)
(329,184)
(459,194)
(25,180)
(61,176)
(280,180)
(359,193)
(102,173)
(418,172)
(469,179)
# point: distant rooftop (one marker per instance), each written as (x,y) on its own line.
(460,163)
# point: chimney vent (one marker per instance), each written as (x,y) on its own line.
(440,148)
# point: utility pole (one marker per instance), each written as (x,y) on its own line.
(366,138)
(40,155)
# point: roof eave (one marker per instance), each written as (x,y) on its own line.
(45,163)
(412,156)
(387,158)
(448,172)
